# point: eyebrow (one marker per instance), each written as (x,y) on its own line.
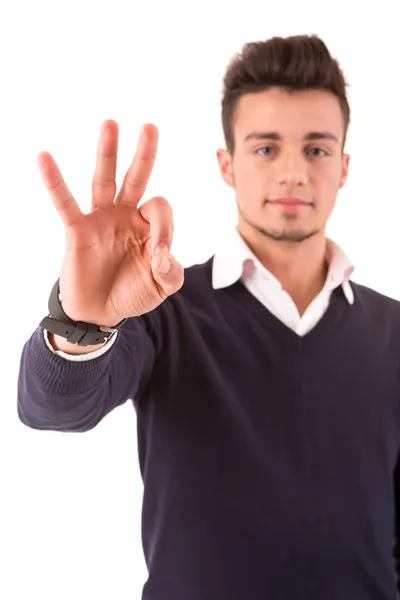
(273,135)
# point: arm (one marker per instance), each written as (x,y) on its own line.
(396,549)
(75,395)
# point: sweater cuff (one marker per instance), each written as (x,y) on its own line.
(53,372)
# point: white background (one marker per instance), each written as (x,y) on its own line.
(70,504)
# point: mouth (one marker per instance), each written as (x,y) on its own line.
(290,203)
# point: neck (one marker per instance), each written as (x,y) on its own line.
(301,268)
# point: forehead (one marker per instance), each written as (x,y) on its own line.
(290,114)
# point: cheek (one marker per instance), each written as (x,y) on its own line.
(326,178)
(248,176)
(332,173)
(254,176)
(326,189)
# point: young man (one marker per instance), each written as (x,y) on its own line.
(265,382)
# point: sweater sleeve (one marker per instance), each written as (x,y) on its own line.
(396,549)
(64,395)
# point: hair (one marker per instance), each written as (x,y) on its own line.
(294,63)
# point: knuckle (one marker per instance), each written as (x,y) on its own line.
(53,185)
(161,202)
(157,206)
(103,154)
(104,184)
(136,184)
(145,158)
(68,202)
(160,199)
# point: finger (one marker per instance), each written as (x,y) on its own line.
(137,176)
(158,213)
(104,186)
(62,198)
(168,273)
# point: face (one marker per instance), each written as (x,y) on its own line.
(286,146)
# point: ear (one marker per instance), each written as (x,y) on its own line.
(345,169)
(225,166)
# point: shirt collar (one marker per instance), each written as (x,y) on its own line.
(235,256)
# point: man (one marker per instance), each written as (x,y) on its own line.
(265,382)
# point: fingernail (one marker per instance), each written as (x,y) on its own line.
(164,266)
(161,248)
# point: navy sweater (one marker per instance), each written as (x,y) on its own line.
(269,460)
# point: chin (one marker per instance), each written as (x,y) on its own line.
(288,234)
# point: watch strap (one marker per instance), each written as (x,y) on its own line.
(75,332)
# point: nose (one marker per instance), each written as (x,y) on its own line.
(291,169)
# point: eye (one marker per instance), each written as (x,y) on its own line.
(264,148)
(315,151)
(320,149)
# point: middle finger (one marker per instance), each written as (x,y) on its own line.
(104,186)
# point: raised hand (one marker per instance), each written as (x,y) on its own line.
(117,262)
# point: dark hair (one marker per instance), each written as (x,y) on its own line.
(294,63)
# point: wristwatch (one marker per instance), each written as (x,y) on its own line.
(76,332)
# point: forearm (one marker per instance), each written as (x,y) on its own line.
(70,395)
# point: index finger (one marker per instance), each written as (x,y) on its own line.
(138,174)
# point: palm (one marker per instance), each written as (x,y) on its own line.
(108,255)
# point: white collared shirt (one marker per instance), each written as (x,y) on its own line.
(236,261)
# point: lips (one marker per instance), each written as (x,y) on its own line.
(289,201)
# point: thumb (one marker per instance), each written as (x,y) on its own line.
(166,270)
